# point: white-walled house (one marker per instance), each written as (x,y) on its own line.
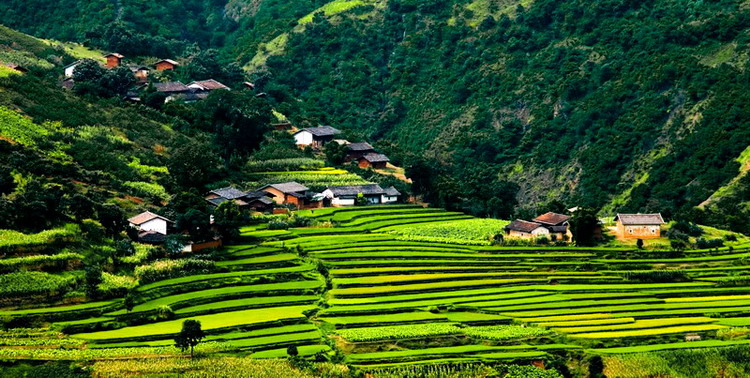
(316,137)
(521,229)
(391,195)
(70,68)
(148,221)
(346,195)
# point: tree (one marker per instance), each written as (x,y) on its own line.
(583,226)
(360,200)
(228,218)
(196,223)
(92,279)
(190,335)
(194,165)
(173,244)
(112,218)
(117,81)
(292,351)
(336,153)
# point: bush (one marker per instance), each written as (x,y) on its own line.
(688,228)
(22,284)
(703,243)
(656,276)
(165,269)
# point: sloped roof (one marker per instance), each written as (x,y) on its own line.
(209,85)
(360,146)
(551,219)
(170,61)
(151,237)
(287,187)
(77,62)
(640,219)
(116,55)
(321,131)
(353,190)
(172,86)
(391,191)
(145,217)
(523,226)
(376,158)
(229,192)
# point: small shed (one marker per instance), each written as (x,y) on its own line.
(374,161)
(286,193)
(166,65)
(69,70)
(355,151)
(207,85)
(316,137)
(346,195)
(113,60)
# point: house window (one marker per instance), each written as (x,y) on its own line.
(630,230)
(653,230)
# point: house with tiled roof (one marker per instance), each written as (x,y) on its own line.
(557,224)
(521,229)
(207,85)
(148,222)
(373,160)
(166,65)
(354,151)
(252,200)
(292,193)
(316,137)
(346,195)
(639,226)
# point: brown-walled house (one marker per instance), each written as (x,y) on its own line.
(639,226)
(253,200)
(166,65)
(292,193)
(354,151)
(113,60)
(374,161)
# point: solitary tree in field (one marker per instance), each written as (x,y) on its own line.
(190,336)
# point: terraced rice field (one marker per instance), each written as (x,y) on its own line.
(385,300)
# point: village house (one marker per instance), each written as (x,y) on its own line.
(69,70)
(140,73)
(152,228)
(391,195)
(113,60)
(316,137)
(292,193)
(346,195)
(521,229)
(557,224)
(638,226)
(374,161)
(173,89)
(257,201)
(248,85)
(166,65)
(207,85)
(355,151)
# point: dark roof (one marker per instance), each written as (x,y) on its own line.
(287,187)
(116,55)
(172,86)
(209,85)
(360,147)
(391,192)
(145,217)
(170,61)
(640,219)
(195,96)
(229,192)
(376,158)
(217,201)
(321,131)
(139,68)
(77,62)
(551,219)
(522,226)
(353,190)
(151,237)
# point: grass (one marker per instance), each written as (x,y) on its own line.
(432,286)
(392,332)
(218,276)
(672,346)
(248,302)
(648,332)
(406,317)
(208,323)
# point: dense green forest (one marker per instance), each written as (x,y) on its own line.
(619,105)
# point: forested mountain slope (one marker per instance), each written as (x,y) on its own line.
(619,105)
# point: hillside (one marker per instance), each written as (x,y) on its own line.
(621,106)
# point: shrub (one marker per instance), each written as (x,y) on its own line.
(165,269)
(655,276)
(154,192)
(703,243)
(22,284)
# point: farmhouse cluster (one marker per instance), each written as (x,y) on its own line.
(362,152)
(173,90)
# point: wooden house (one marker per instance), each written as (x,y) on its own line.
(166,65)
(346,195)
(207,85)
(316,137)
(557,224)
(639,226)
(173,89)
(148,223)
(287,193)
(140,73)
(113,60)
(374,161)
(521,229)
(257,201)
(355,151)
